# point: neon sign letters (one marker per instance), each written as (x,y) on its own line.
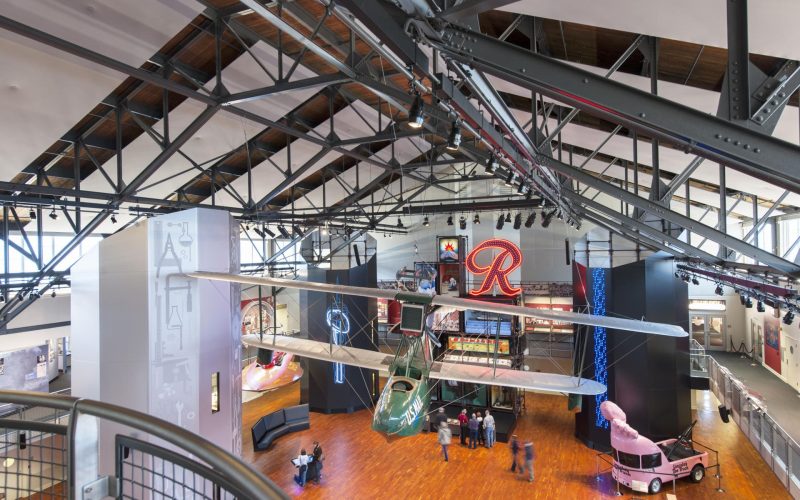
(339,323)
(495,272)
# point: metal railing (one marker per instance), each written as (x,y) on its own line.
(780,452)
(698,359)
(97,450)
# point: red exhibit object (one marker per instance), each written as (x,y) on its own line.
(495,272)
(394,309)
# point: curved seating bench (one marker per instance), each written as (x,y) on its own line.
(276,424)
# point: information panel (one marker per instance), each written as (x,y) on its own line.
(482,345)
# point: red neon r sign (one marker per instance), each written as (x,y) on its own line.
(495,272)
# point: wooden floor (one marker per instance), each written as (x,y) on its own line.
(361,463)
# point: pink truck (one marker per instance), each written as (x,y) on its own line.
(645,466)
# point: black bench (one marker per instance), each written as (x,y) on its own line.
(276,424)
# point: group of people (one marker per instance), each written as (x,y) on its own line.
(309,467)
(482,431)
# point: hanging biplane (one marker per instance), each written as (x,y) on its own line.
(401,408)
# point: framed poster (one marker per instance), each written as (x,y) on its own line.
(425,275)
(449,249)
(443,320)
(772,342)
(450,281)
(383,310)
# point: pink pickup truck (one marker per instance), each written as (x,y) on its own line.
(645,466)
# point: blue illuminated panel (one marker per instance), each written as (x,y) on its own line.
(339,323)
(600,346)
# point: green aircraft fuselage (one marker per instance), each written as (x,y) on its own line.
(403,404)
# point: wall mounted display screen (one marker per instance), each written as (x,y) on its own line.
(448,250)
(481,345)
(412,317)
(483,323)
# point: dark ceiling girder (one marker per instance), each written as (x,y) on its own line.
(284,86)
(748,151)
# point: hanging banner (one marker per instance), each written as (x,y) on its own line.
(772,342)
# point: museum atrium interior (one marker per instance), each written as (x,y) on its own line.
(238,232)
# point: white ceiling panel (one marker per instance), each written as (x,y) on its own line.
(772,23)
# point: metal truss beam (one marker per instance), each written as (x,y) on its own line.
(748,151)
(666,214)
(284,86)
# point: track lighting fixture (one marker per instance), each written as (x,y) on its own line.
(259,232)
(492,164)
(426,222)
(462,222)
(517,221)
(53,294)
(547,218)
(760,307)
(500,222)
(21,295)
(788,318)
(297,230)
(416,115)
(510,179)
(284,232)
(400,223)
(449,220)
(748,303)
(718,290)
(741,298)
(695,280)
(32,214)
(522,189)
(454,140)
(508,217)
(677,275)
(267,231)
(476,219)
(113,219)
(2,298)
(530,220)
(53,214)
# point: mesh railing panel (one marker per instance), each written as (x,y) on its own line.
(34,460)
(148,471)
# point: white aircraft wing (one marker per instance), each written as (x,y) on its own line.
(458,303)
(363,358)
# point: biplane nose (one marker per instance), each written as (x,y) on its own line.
(401,408)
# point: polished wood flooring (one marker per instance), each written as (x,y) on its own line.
(361,463)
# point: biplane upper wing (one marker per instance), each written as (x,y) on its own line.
(458,303)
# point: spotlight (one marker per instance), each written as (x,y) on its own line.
(510,179)
(400,223)
(530,220)
(270,233)
(492,164)
(760,307)
(741,298)
(517,221)
(416,115)
(53,294)
(416,249)
(508,217)
(718,290)
(748,303)
(53,214)
(297,230)
(284,232)
(788,318)
(261,233)
(462,222)
(426,222)
(500,222)
(113,219)
(695,281)
(677,275)
(32,214)
(522,189)
(2,298)
(546,218)
(476,219)
(685,277)
(449,220)
(454,140)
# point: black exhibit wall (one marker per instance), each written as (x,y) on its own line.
(321,388)
(648,375)
(651,372)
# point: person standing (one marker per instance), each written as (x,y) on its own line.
(529,460)
(439,418)
(463,421)
(302,464)
(488,424)
(481,440)
(473,432)
(317,462)
(514,445)
(444,438)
